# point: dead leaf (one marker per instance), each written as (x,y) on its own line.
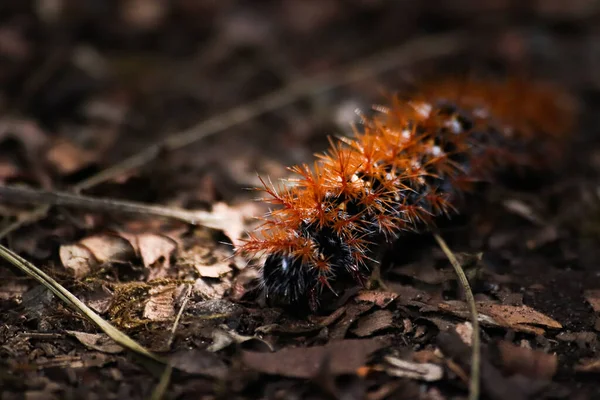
(156,251)
(533,364)
(12,289)
(593,297)
(465,331)
(380,298)
(161,304)
(78,259)
(588,365)
(343,357)
(377,321)
(520,318)
(407,369)
(213,271)
(99,299)
(199,362)
(353,311)
(69,158)
(224,336)
(97,341)
(109,248)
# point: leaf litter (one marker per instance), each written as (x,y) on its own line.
(133,270)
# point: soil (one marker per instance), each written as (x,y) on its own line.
(86,84)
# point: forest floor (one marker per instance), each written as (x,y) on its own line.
(200,97)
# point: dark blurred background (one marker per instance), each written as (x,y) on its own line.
(86,83)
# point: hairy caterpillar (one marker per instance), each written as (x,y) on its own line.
(405,166)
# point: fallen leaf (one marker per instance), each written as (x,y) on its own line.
(374,322)
(99,299)
(520,318)
(199,362)
(156,251)
(97,341)
(213,271)
(160,306)
(465,331)
(412,370)
(69,158)
(109,248)
(224,337)
(343,357)
(379,298)
(588,365)
(78,259)
(353,311)
(593,297)
(533,364)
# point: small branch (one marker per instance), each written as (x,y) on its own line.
(23,195)
(464,282)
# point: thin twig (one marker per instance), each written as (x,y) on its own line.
(179,314)
(462,278)
(20,194)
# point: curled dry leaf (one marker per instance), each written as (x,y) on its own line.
(520,318)
(223,337)
(78,259)
(156,251)
(199,362)
(336,357)
(374,322)
(533,364)
(379,298)
(593,297)
(412,370)
(84,257)
(68,157)
(97,341)
(588,366)
(465,331)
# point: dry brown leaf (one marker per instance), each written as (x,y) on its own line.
(337,357)
(156,251)
(69,158)
(199,362)
(99,299)
(520,318)
(12,289)
(161,304)
(533,364)
(588,365)
(213,271)
(78,259)
(465,331)
(109,248)
(380,298)
(377,321)
(593,297)
(97,341)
